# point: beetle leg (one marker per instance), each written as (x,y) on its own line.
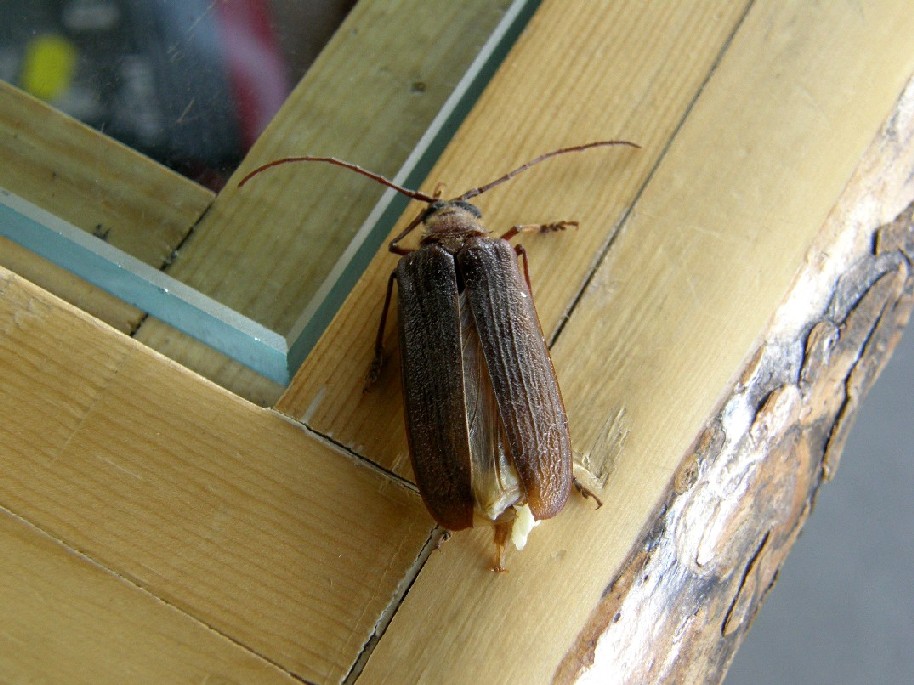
(539,228)
(410,227)
(444,537)
(374,372)
(522,255)
(502,531)
(534,228)
(587,493)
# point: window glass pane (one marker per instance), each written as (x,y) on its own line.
(191,83)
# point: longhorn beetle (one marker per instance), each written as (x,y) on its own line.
(486,425)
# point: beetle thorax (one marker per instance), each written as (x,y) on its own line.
(450,223)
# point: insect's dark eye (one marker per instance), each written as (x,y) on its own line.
(433,207)
(472,209)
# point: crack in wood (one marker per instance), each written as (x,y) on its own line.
(727,627)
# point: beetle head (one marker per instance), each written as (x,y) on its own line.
(450,223)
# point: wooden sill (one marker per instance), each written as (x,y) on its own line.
(732,292)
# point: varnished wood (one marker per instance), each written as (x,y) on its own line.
(710,250)
(94,182)
(72,288)
(753,129)
(67,620)
(747,485)
(593,187)
(263,251)
(232,514)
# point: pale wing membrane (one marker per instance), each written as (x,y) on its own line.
(495,483)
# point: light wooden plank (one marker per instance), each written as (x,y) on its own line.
(741,497)
(670,317)
(66,620)
(674,46)
(209,363)
(229,512)
(76,291)
(455,603)
(370,96)
(94,182)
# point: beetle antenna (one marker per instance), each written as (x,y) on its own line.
(414,194)
(561,151)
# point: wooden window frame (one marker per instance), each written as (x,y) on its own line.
(732,293)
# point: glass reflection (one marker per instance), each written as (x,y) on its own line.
(191,83)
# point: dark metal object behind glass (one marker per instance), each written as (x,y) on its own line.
(191,83)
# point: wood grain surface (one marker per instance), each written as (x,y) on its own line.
(729,202)
(302,548)
(67,620)
(228,512)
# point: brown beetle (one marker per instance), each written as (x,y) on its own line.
(487,430)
